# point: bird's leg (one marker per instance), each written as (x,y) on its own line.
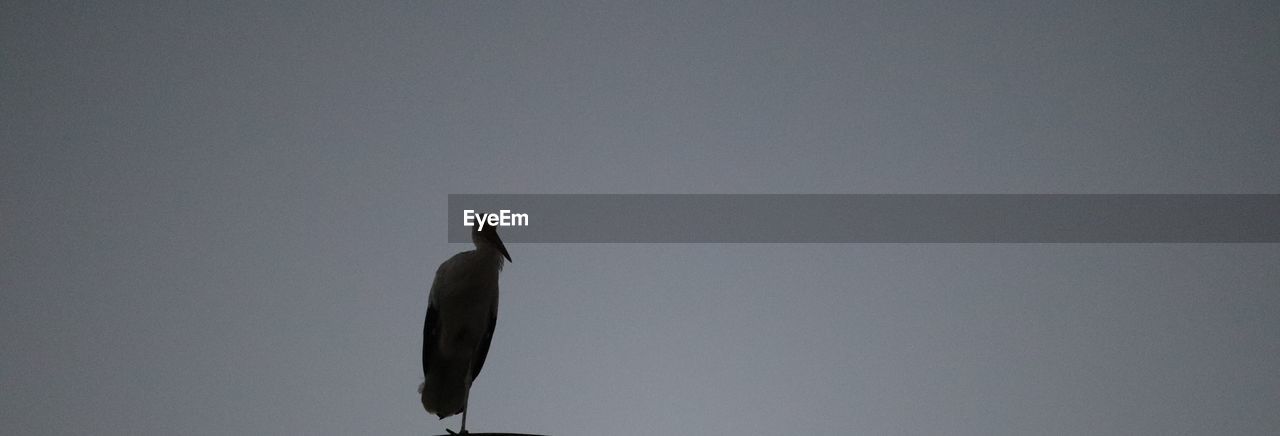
(464,424)
(465,397)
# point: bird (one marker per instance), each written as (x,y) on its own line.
(462,311)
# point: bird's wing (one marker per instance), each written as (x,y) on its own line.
(430,336)
(431,327)
(483,351)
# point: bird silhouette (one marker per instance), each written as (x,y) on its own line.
(462,311)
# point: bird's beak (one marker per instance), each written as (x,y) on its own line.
(501,247)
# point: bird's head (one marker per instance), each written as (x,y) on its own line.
(488,238)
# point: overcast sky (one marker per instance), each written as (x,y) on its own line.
(223,218)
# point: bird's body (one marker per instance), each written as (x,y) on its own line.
(464,305)
(462,311)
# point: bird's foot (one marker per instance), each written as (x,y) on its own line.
(464,431)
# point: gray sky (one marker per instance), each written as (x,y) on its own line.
(224,218)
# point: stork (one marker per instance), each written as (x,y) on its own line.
(462,311)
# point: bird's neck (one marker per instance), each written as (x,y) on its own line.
(490,252)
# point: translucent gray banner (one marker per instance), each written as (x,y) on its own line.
(790,218)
